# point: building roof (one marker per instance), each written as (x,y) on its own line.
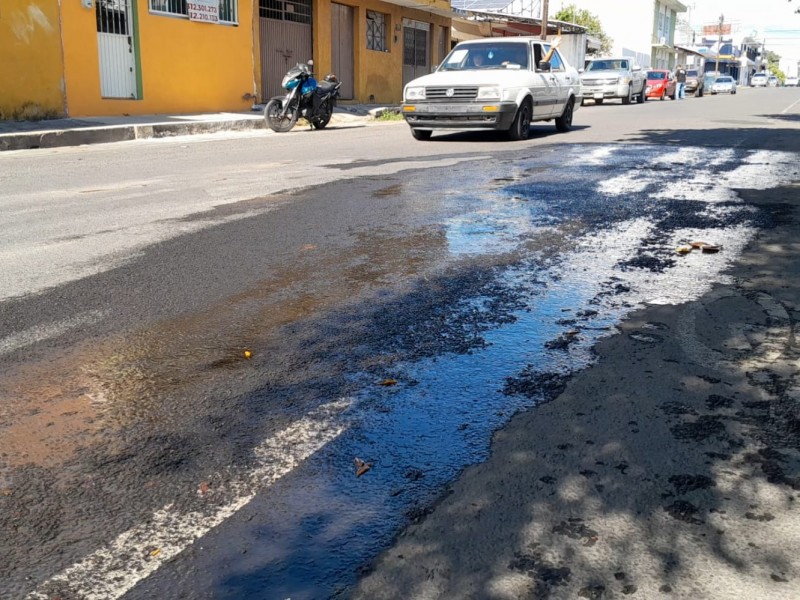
(484,15)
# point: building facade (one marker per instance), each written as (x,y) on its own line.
(117,57)
(643,30)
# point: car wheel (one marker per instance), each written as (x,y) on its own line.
(641,96)
(564,122)
(421,134)
(521,127)
(627,99)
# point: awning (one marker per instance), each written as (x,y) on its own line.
(437,7)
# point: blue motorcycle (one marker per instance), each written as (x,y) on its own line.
(305,97)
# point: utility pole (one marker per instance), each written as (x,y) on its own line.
(545,9)
(719,45)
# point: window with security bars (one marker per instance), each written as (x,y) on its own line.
(376,31)
(228,9)
(297,11)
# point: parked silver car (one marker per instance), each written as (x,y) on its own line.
(607,78)
(724,84)
(759,80)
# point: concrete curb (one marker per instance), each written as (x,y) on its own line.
(120,133)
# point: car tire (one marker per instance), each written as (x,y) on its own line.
(423,135)
(564,122)
(627,99)
(641,97)
(521,127)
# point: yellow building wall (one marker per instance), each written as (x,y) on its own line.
(31,65)
(186,66)
(379,75)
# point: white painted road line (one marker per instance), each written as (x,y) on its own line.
(115,569)
(45,332)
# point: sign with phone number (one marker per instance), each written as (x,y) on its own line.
(206,11)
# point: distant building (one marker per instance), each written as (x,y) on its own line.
(628,25)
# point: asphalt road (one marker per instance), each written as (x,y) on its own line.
(198,336)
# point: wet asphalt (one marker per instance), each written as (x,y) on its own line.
(432,303)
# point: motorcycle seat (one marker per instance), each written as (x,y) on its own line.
(323,87)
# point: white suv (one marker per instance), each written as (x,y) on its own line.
(494,83)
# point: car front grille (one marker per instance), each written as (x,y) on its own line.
(604,81)
(458,93)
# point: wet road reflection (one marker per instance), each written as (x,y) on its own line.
(478,294)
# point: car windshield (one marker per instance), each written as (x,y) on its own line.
(724,80)
(759,76)
(607,65)
(500,55)
(656,75)
(691,73)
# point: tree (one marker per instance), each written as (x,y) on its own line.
(580,16)
(773,61)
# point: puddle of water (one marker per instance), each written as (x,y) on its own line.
(440,417)
(312,532)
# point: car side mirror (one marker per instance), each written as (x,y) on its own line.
(636,68)
(580,70)
(544,65)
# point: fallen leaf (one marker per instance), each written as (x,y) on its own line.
(361,466)
(7,492)
(248,354)
(683,249)
(711,249)
(203,488)
(590,541)
(699,244)
(155,552)
(389,382)
(307,247)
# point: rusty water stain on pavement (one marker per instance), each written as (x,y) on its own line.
(55,407)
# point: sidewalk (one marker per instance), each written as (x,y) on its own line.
(23,135)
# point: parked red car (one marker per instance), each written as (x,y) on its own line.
(660,84)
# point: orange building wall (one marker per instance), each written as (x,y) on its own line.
(186,66)
(31,68)
(378,74)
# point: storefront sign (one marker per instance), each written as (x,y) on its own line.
(206,11)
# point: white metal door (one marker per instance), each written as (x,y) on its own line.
(115,47)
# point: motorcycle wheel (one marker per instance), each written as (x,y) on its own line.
(323,118)
(276,122)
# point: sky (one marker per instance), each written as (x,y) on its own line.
(771,20)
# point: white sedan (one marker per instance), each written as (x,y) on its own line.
(494,83)
(723,85)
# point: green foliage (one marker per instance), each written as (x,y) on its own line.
(775,70)
(772,58)
(581,16)
(389,115)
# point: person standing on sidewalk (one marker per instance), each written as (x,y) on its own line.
(680,76)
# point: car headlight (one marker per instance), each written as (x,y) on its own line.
(489,93)
(624,79)
(415,93)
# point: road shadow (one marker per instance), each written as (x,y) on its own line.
(778,139)
(538,132)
